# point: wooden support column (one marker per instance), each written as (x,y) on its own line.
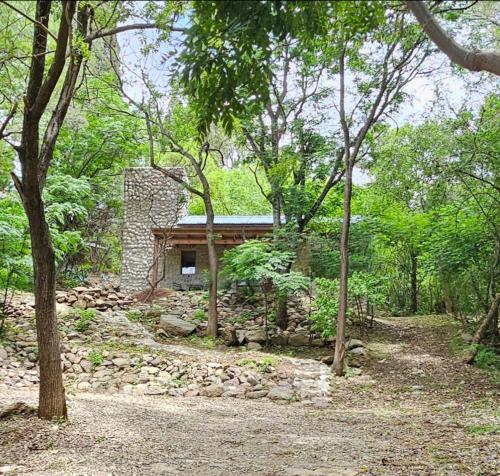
(156,252)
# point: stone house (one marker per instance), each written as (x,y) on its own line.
(163,244)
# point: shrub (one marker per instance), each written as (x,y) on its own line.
(324,318)
(96,358)
(200,315)
(134,315)
(84,318)
(487,359)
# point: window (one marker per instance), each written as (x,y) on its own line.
(188,262)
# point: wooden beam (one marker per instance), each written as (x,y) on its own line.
(154,277)
(199,241)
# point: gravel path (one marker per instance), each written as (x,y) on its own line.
(391,420)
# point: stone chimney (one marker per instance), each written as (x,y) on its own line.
(151,200)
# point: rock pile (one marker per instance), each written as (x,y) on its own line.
(147,374)
(241,322)
(102,298)
(18,309)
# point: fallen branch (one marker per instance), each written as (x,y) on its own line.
(481,330)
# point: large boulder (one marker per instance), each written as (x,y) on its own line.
(256,335)
(299,338)
(229,335)
(174,326)
(280,339)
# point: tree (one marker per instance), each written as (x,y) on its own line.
(52,57)
(169,130)
(473,60)
(376,45)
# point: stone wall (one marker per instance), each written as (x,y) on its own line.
(151,201)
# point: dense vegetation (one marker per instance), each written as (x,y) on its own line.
(272,107)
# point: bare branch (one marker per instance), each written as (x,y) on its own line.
(135,26)
(36,22)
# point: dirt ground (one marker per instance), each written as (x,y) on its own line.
(414,410)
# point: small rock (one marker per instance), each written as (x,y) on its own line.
(84,386)
(212,391)
(328,359)
(257,394)
(155,390)
(354,344)
(358,351)
(229,336)
(121,362)
(281,392)
(254,346)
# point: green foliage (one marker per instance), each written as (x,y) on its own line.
(15,259)
(268,363)
(326,304)
(487,358)
(260,263)
(207,342)
(96,357)
(486,429)
(227,40)
(233,192)
(200,315)
(84,317)
(363,288)
(134,315)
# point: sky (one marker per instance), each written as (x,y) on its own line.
(452,91)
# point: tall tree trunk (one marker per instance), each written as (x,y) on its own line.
(282,300)
(52,401)
(213,271)
(276,206)
(447,297)
(213,263)
(414,287)
(338,363)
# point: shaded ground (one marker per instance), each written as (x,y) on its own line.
(414,410)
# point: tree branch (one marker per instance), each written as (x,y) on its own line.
(36,22)
(120,29)
(469,59)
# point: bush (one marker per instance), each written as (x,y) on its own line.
(324,318)
(96,358)
(84,319)
(134,315)
(200,315)
(487,359)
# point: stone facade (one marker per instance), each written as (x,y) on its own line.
(151,200)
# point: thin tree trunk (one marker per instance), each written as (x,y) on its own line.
(338,363)
(212,327)
(414,287)
(282,300)
(448,301)
(483,327)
